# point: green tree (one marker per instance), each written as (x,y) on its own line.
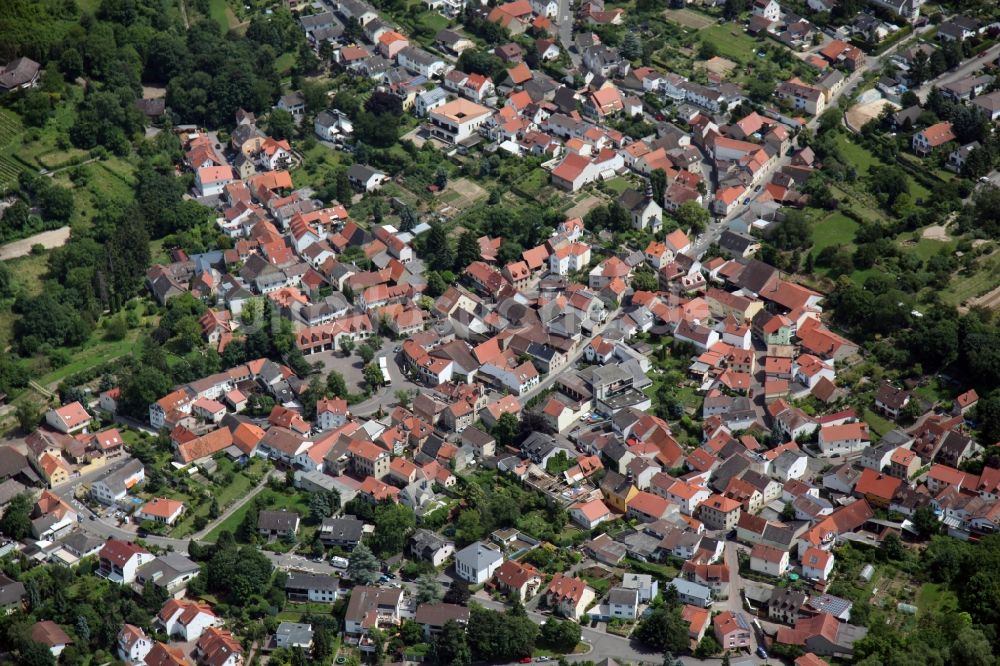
(373,376)
(428,589)
(366,352)
(437,249)
(343,187)
(458,593)
(346,345)
(239,571)
(467,251)
(16,520)
(33,653)
(28,413)
(450,646)
(280,124)
(336,386)
(692,216)
(664,629)
(363,567)
(393,525)
(645,280)
(561,635)
(506,429)
(658,182)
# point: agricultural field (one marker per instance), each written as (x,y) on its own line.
(689,18)
(10,133)
(731,42)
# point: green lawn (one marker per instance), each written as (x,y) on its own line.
(284,63)
(618,184)
(319,166)
(95,351)
(275,502)
(862,160)
(984,280)
(730,41)
(836,229)
(217,9)
(935,598)
(879,425)
(926,248)
(241,485)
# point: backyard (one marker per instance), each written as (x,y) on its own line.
(228,485)
(272,501)
(730,41)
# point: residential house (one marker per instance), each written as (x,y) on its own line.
(569,596)
(732,630)
(477,562)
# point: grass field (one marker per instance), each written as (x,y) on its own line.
(688,18)
(275,502)
(226,495)
(221,13)
(934,598)
(835,230)
(730,41)
(879,425)
(319,166)
(862,160)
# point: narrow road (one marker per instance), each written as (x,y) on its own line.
(552,376)
(966,68)
(564,23)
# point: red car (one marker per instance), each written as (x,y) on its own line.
(524,660)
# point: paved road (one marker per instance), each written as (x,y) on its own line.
(966,68)
(564,22)
(552,376)
(716,227)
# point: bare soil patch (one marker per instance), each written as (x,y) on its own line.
(47,239)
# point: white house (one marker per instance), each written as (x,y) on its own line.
(186,619)
(133,644)
(68,419)
(420,61)
(331,413)
(623,604)
(817,564)
(476,562)
(210,181)
(120,560)
(768,560)
(457,121)
(844,439)
(569,258)
(647,586)
(114,485)
(161,510)
(768,9)
(332,125)
(429,100)
(590,514)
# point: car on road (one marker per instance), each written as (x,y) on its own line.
(543,658)
(524,660)
(761,652)
(397,349)
(746,201)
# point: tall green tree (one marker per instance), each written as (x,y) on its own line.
(363,567)
(16,520)
(451,647)
(467,251)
